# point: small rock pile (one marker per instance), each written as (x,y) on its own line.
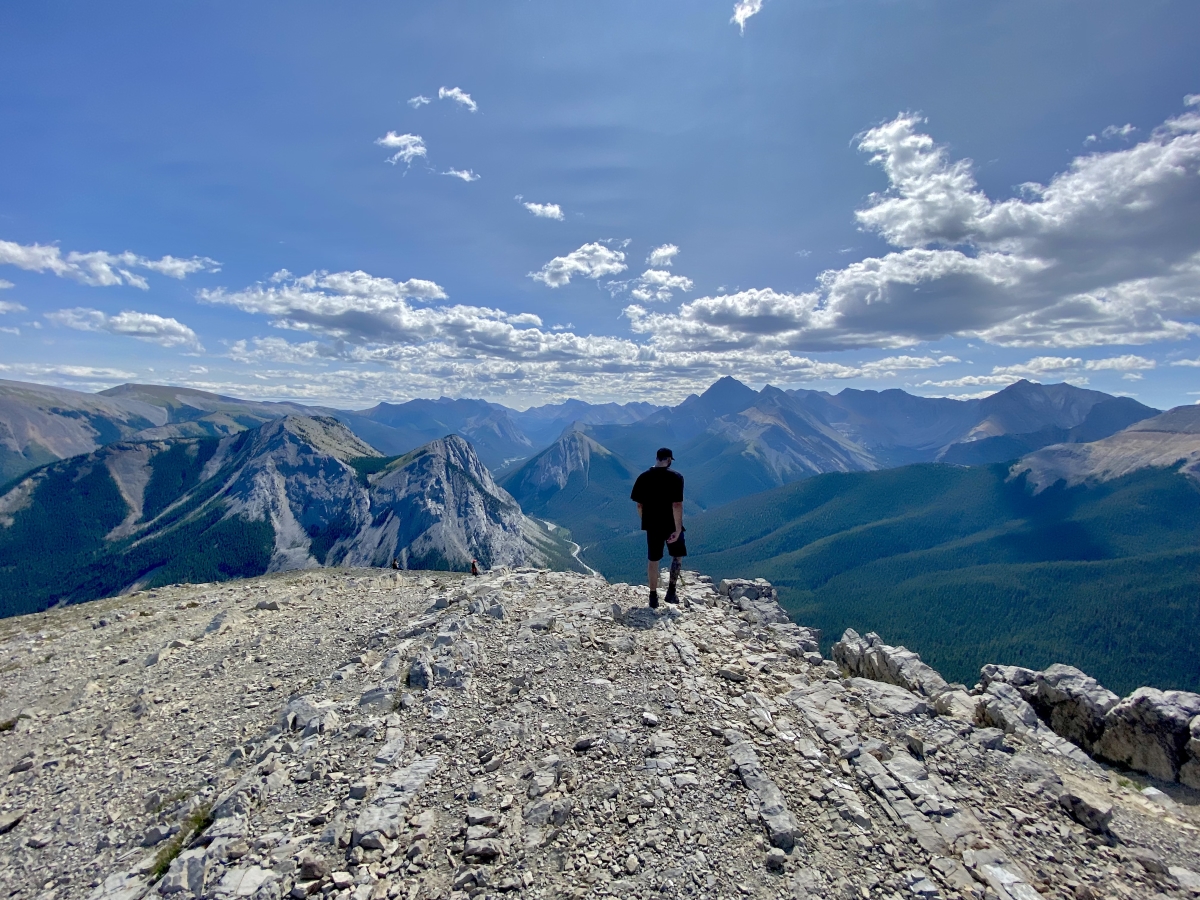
(534,734)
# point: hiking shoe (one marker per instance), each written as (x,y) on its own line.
(654,599)
(671,596)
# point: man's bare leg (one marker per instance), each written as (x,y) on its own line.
(652,580)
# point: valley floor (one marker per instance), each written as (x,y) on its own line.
(367,734)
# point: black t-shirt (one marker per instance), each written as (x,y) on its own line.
(656,489)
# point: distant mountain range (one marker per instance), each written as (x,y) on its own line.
(294,492)
(39,424)
(146,484)
(731,442)
(1087,554)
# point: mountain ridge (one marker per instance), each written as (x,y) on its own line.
(289,494)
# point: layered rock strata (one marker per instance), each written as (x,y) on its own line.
(1152,732)
(367,735)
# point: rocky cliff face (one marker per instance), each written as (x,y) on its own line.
(549,471)
(1164,440)
(298,492)
(439,507)
(358,734)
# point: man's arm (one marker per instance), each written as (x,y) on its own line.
(677,511)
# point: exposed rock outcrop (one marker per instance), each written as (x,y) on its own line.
(870,657)
(1151,731)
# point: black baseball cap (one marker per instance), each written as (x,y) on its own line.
(665,453)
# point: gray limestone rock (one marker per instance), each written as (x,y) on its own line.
(384,815)
(957,704)
(121,886)
(420,673)
(892,700)
(186,874)
(1073,704)
(1089,811)
(1003,707)
(1149,731)
(871,658)
(772,810)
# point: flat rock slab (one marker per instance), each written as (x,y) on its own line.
(385,813)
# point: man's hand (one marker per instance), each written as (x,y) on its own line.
(674,537)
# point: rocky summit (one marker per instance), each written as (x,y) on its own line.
(361,734)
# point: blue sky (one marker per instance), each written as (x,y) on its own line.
(939,196)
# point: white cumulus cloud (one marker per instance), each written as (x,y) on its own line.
(1106,253)
(590,261)
(462,174)
(418,101)
(545,210)
(407,146)
(743,10)
(459,96)
(99,268)
(656,285)
(662,256)
(8,306)
(165,332)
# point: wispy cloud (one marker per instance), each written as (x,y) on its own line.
(544,210)
(463,174)
(99,268)
(8,306)
(418,101)
(155,329)
(589,261)
(1072,369)
(1112,131)
(44,370)
(407,146)
(662,256)
(743,10)
(459,96)
(1127,363)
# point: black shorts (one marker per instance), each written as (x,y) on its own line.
(654,546)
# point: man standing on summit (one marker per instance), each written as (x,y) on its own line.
(658,493)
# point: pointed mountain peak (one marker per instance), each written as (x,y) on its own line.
(728,395)
(323,433)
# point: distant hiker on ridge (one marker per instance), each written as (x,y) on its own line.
(658,493)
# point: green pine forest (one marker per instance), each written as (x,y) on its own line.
(968,567)
(56,551)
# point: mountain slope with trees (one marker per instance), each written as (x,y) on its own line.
(969,564)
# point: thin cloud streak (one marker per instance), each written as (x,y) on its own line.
(459,96)
(155,329)
(99,268)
